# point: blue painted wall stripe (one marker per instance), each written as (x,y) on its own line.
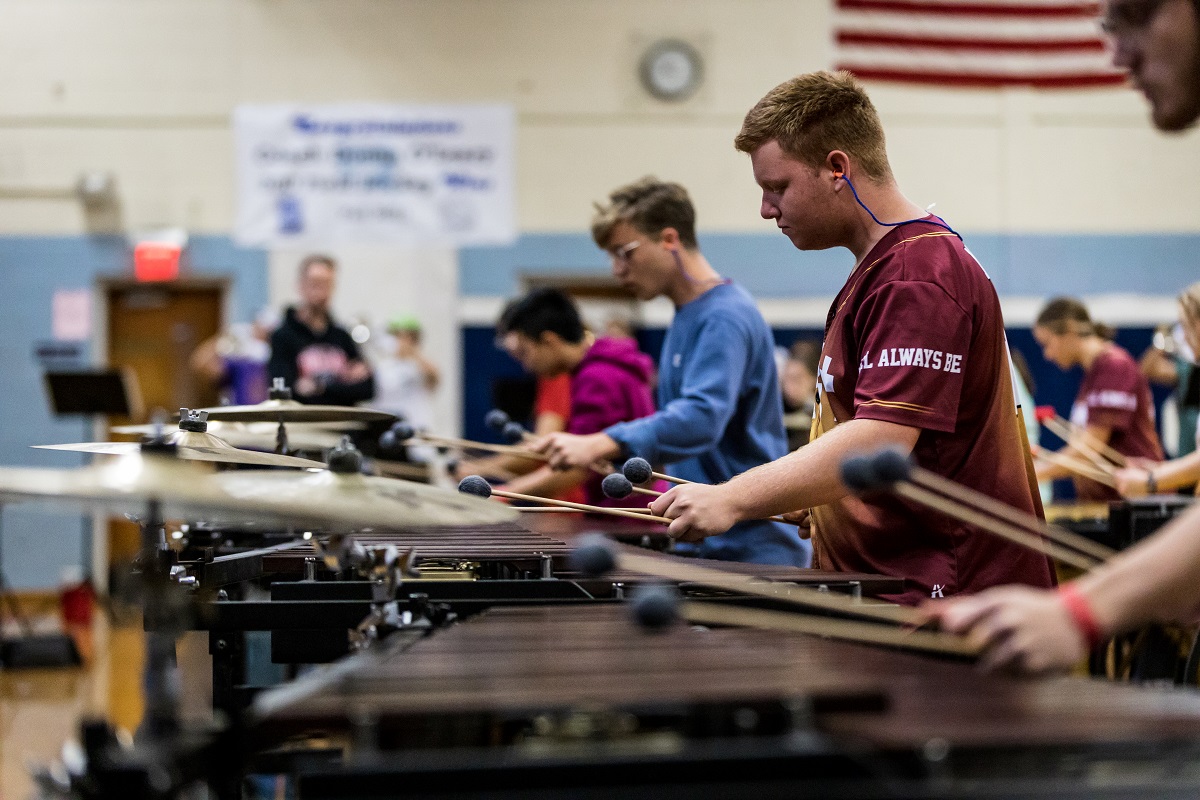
(769,267)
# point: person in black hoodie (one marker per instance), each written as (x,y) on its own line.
(315,356)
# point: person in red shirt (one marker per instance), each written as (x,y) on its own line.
(552,406)
(914,357)
(1113,408)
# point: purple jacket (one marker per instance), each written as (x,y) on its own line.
(610,385)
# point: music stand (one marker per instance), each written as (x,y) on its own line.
(87,393)
(112,392)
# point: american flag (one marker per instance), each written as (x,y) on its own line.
(980,43)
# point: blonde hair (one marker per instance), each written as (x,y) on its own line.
(814,114)
(650,205)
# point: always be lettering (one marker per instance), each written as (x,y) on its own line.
(913,357)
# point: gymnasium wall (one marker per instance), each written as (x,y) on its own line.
(1056,191)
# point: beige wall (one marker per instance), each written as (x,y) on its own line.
(144,88)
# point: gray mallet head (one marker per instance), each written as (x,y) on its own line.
(594,555)
(403,431)
(495,420)
(892,466)
(616,486)
(513,433)
(858,473)
(389,441)
(638,470)
(476,485)
(655,606)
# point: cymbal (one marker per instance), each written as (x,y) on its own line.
(187,490)
(261,435)
(193,446)
(292,411)
(356,501)
(126,485)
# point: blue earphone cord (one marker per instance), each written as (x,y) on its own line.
(941,223)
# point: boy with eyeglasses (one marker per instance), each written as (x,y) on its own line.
(720,411)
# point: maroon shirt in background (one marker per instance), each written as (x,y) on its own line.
(610,385)
(1115,394)
(916,337)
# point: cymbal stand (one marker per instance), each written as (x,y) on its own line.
(280,391)
(167,759)
(281,440)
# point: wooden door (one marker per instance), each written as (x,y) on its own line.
(153,328)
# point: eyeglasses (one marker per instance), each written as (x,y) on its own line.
(1124,18)
(623,252)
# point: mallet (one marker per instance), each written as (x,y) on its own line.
(1085,469)
(893,471)
(595,555)
(638,470)
(1096,451)
(618,487)
(478,486)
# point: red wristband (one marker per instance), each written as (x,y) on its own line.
(1081,613)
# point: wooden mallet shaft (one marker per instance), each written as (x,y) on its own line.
(847,630)
(791,594)
(1120,459)
(972,516)
(653,493)
(670,479)
(467,444)
(1084,469)
(1099,453)
(931,480)
(616,512)
(528,509)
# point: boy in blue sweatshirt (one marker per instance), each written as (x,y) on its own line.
(720,411)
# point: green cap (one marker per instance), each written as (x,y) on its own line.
(404,322)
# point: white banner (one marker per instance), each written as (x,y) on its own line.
(368,173)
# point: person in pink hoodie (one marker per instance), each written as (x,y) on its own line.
(610,382)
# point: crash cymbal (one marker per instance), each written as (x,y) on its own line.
(223,427)
(262,435)
(190,491)
(193,446)
(300,435)
(356,501)
(292,411)
(126,485)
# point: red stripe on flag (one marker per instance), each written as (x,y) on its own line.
(973,9)
(960,43)
(986,79)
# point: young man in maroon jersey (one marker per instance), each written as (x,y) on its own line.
(914,357)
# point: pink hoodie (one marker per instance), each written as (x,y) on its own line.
(610,385)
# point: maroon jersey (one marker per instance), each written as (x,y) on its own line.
(916,337)
(1116,395)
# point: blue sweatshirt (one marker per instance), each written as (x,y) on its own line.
(720,414)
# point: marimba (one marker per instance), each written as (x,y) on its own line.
(523,702)
(464,571)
